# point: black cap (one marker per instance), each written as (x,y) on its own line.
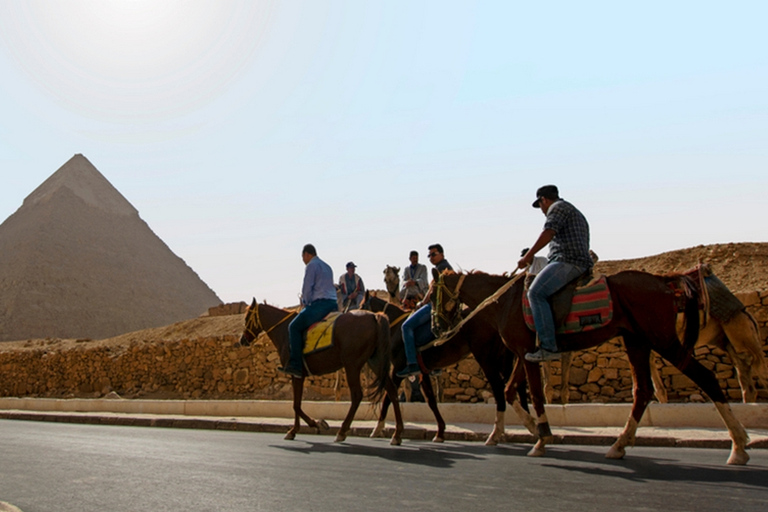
(350,264)
(548,191)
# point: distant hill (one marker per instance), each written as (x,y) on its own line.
(77,261)
(743,267)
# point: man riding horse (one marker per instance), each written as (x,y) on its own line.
(567,232)
(318,296)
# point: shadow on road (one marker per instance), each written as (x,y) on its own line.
(638,468)
(425,454)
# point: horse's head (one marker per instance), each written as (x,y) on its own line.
(253,325)
(446,308)
(366,303)
(392,279)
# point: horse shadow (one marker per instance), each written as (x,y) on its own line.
(444,455)
(644,469)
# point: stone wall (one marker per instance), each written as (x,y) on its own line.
(211,368)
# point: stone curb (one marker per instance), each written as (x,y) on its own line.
(596,436)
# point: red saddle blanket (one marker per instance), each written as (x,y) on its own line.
(591,308)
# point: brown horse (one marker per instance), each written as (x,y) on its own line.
(737,333)
(359,337)
(496,361)
(645,315)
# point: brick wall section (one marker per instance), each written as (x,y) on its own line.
(212,368)
(231,308)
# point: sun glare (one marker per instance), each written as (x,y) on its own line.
(134,57)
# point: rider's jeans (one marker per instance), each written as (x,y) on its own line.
(309,315)
(418,318)
(551,279)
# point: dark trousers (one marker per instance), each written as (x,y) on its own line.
(309,315)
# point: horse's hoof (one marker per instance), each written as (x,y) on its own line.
(537,451)
(322,425)
(438,439)
(340,438)
(738,458)
(395,441)
(379,430)
(616,453)
(492,441)
(290,436)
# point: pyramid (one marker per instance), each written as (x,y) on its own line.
(77,261)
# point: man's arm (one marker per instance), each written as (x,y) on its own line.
(307,288)
(545,237)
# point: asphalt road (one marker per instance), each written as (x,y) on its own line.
(67,467)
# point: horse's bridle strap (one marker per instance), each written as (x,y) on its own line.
(488,301)
(261,326)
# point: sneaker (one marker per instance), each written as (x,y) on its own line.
(293,372)
(410,369)
(542,355)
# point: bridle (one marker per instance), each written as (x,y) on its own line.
(384,312)
(253,323)
(446,301)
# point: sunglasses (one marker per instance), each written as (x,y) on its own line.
(432,254)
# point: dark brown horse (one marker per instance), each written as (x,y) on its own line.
(359,337)
(644,315)
(484,342)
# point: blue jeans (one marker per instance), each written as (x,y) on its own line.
(551,279)
(418,318)
(309,315)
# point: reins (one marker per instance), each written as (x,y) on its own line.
(487,302)
(261,326)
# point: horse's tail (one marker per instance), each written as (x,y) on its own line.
(691,315)
(381,360)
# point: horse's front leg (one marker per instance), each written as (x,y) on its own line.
(533,370)
(493,374)
(298,388)
(391,391)
(512,393)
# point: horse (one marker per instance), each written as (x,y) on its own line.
(392,281)
(359,337)
(493,357)
(644,314)
(737,333)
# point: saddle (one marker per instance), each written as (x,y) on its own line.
(319,336)
(582,305)
(715,299)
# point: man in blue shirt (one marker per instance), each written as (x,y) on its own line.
(567,232)
(318,296)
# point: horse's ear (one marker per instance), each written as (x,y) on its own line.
(397,270)
(435,274)
(253,304)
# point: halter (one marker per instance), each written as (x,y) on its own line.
(252,327)
(398,319)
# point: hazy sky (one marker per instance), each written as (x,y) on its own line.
(242,130)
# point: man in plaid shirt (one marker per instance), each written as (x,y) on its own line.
(567,232)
